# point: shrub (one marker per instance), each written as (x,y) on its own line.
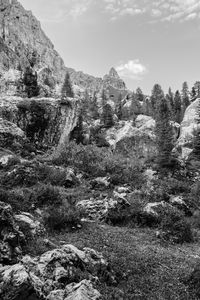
(175,227)
(100,162)
(62,217)
(19,199)
(129,216)
(47,195)
(36,247)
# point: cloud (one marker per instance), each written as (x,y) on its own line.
(133,69)
(160,10)
(156,10)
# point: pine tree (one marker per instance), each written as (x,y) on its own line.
(108,116)
(94,106)
(170,100)
(156,95)
(177,107)
(164,134)
(30,82)
(197,88)
(67,90)
(139,95)
(185,97)
(193,93)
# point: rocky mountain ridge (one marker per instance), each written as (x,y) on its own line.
(23,43)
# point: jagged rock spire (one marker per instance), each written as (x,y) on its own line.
(113,73)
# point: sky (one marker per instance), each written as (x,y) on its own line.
(147,41)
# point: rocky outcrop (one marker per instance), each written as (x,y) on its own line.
(99,209)
(44,121)
(125,138)
(28,221)
(24,43)
(188,126)
(11,238)
(113,79)
(62,273)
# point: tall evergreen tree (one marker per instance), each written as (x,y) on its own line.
(164,134)
(177,107)
(108,116)
(30,82)
(197,88)
(193,93)
(156,95)
(67,90)
(139,94)
(170,100)
(94,106)
(185,97)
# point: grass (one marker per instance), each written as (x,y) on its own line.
(145,268)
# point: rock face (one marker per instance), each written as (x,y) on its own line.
(125,137)
(62,273)
(188,125)
(45,121)
(24,43)
(11,238)
(113,79)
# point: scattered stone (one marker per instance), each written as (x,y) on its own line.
(34,226)
(179,203)
(57,274)
(100,182)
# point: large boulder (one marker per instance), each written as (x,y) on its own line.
(29,223)
(125,137)
(98,209)
(11,238)
(44,121)
(188,126)
(61,273)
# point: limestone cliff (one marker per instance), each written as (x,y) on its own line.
(24,42)
(45,121)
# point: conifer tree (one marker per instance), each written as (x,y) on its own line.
(185,97)
(30,82)
(156,95)
(108,116)
(139,95)
(193,93)
(164,134)
(197,88)
(67,90)
(177,107)
(94,106)
(170,100)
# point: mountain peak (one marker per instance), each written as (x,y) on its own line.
(113,73)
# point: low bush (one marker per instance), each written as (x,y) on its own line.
(19,199)
(130,216)
(99,162)
(62,217)
(175,227)
(46,195)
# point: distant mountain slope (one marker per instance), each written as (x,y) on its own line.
(23,43)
